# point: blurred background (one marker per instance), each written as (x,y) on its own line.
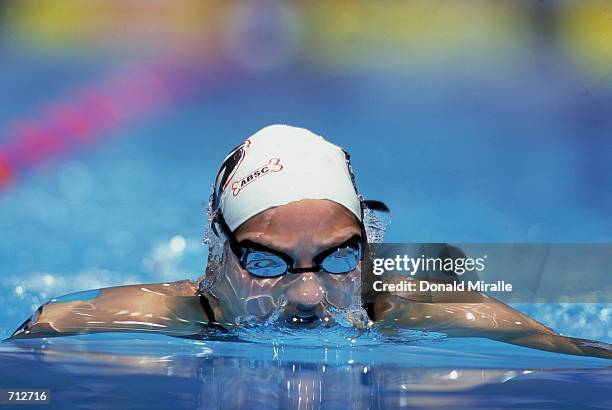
(476,121)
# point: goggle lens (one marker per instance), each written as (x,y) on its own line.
(343,260)
(263,264)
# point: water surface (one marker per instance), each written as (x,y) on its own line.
(153,371)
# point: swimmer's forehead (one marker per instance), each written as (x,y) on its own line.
(282,228)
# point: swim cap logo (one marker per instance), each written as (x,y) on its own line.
(273,165)
(228,169)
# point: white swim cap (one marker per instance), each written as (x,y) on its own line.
(281,164)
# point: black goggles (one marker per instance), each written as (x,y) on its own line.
(267,263)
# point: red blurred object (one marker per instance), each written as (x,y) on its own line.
(84,119)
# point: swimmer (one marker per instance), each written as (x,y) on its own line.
(286,236)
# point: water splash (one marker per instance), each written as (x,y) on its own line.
(216,245)
(336,335)
(348,327)
(376,223)
(210,216)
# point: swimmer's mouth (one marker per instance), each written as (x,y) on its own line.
(307,320)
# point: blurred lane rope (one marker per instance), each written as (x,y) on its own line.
(93,113)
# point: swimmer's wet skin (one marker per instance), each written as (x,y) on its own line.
(175,309)
(283,220)
(169,308)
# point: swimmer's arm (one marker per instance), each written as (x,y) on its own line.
(488,318)
(171,308)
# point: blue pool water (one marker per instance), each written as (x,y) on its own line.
(508,147)
(148,371)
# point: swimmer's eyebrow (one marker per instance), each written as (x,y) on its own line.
(329,243)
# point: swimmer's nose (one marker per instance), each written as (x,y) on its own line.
(306,292)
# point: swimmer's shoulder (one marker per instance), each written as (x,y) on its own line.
(183,287)
(172,308)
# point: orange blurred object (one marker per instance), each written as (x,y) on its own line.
(6,175)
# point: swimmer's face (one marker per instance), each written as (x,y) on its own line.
(301,230)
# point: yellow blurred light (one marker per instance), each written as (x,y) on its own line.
(397,34)
(117,24)
(586,32)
